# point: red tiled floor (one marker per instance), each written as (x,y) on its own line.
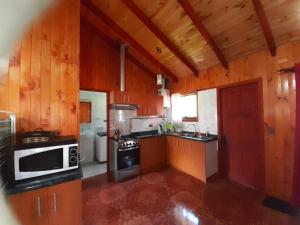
(170,198)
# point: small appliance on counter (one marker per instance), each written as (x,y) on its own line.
(125,158)
(40,153)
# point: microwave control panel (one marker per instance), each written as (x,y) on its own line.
(73,156)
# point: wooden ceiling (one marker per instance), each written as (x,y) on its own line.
(184,37)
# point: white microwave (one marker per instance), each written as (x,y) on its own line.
(35,162)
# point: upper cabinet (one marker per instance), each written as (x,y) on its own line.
(149,105)
(121,97)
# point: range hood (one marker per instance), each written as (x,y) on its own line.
(124,106)
(122,82)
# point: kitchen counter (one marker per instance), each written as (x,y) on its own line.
(43,181)
(142,135)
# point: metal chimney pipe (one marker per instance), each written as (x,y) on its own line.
(122,66)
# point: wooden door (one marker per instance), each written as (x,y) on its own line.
(64,203)
(242,151)
(31,208)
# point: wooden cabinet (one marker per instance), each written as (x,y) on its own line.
(196,158)
(190,156)
(149,105)
(153,154)
(85,112)
(30,207)
(120,97)
(54,205)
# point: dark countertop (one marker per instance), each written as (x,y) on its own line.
(142,135)
(43,181)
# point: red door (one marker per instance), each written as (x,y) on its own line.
(242,153)
(296,192)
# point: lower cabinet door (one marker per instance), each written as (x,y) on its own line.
(153,154)
(31,208)
(64,203)
(198,161)
(171,151)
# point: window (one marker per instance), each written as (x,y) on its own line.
(184,107)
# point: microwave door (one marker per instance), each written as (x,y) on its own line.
(43,161)
(38,162)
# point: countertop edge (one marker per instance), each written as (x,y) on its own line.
(175,135)
(43,182)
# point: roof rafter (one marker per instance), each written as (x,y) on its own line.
(116,45)
(128,38)
(203,31)
(160,35)
(265,26)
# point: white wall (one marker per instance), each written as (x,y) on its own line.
(145,124)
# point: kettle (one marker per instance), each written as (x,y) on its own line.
(117,134)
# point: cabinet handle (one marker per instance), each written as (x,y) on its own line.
(38,202)
(54,202)
(128,97)
(124,98)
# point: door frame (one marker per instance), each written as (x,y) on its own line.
(259,83)
(107,122)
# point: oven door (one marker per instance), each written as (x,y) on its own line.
(40,161)
(128,157)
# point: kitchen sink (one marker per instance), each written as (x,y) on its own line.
(196,136)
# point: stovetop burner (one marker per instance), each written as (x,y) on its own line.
(128,142)
(28,140)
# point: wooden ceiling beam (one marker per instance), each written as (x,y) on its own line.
(160,35)
(128,38)
(203,31)
(264,23)
(116,45)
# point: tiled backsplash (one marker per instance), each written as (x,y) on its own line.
(120,119)
(145,124)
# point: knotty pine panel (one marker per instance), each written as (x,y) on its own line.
(278,107)
(42,82)
(100,66)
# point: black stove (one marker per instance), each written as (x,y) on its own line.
(127,142)
(125,157)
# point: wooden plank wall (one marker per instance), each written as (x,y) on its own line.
(100,66)
(42,81)
(278,102)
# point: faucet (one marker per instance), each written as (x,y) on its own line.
(195,127)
